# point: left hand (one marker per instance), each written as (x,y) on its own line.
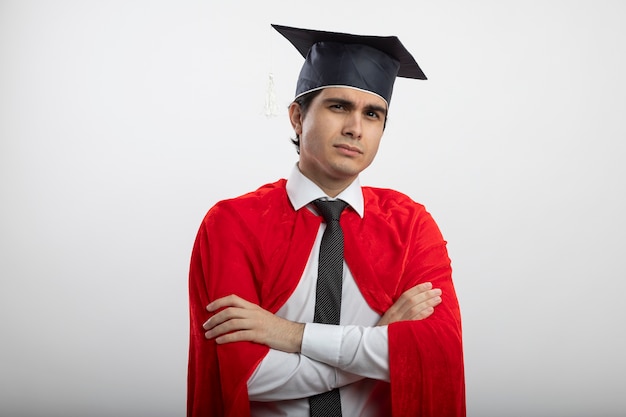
(416,303)
(241,320)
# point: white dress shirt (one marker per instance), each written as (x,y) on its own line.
(351,355)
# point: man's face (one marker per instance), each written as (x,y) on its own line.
(339,135)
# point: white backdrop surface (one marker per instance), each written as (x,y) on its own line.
(122,122)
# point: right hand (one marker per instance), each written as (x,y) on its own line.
(240,320)
(416,303)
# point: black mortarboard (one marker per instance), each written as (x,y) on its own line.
(369,63)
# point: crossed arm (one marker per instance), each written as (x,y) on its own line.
(240,320)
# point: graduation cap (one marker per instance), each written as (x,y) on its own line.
(333,59)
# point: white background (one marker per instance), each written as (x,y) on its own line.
(122,122)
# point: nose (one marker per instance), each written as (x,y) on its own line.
(352,126)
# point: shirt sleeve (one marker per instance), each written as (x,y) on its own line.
(332,357)
(288,376)
(355,349)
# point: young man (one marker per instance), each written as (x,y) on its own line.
(343,306)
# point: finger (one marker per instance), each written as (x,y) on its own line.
(416,295)
(239,336)
(214,320)
(424,297)
(226,314)
(419,288)
(436,292)
(426,313)
(431,301)
(423,310)
(413,310)
(233,325)
(228,301)
(407,297)
(222,302)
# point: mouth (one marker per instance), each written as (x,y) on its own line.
(347,149)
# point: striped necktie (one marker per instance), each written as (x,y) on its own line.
(328,293)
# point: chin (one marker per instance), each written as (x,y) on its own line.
(345,171)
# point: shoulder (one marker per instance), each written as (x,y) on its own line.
(268,193)
(390,208)
(269,198)
(388,200)
(399,215)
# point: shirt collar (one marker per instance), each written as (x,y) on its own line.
(302,191)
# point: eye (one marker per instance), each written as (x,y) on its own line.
(372,114)
(337,106)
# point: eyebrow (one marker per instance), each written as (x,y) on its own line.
(348,103)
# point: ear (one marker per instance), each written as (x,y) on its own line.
(295,117)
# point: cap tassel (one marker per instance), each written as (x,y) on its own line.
(271,108)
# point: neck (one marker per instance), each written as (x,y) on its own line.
(331,187)
(332,190)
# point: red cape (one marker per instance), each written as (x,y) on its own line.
(256,246)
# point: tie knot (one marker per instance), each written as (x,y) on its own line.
(330,210)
